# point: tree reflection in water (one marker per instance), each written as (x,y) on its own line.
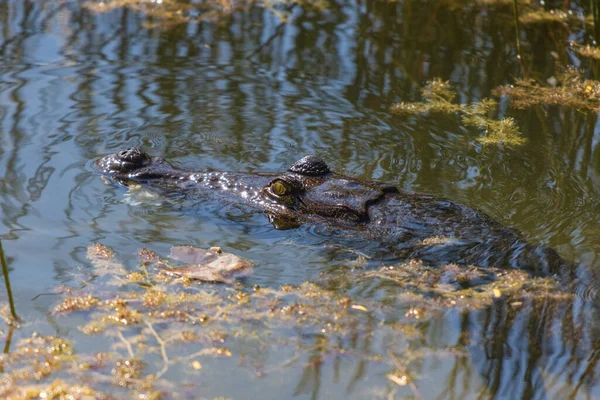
(250,85)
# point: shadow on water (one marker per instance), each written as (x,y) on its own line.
(250,88)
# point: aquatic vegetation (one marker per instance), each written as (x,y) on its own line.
(503,131)
(439,97)
(101,80)
(58,389)
(542,16)
(587,51)
(170,13)
(77,303)
(502,2)
(31,371)
(158,323)
(436,240)
(458,4)
(571,90)
(455,286)
(438,90)
(35,359)
(528,12)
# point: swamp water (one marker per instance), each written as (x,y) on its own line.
(386,90)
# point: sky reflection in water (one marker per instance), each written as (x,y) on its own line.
(248,92)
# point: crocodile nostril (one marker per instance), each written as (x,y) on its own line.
(125,153)
(132,157)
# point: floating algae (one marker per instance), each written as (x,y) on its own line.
(158,324)
(172,13)
(439,97)
(571,90)
(587,51)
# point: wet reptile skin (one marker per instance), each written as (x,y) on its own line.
(415,226)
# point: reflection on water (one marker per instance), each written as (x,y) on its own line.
(246,90)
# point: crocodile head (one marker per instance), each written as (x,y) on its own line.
(307,190)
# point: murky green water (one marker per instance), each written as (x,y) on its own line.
(246,91)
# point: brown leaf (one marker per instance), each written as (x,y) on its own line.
(211,265)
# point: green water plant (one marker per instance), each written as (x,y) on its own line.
(149,322)
(570,89)
(543,16)
(586,51)
(438,97)
(167,13)
(172,13)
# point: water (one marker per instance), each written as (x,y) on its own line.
(248,92)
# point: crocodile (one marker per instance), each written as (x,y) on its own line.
(412,225)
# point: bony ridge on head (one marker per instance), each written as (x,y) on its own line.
(123,161)
(310,165)
(133,155)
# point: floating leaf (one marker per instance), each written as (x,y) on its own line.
(212,265)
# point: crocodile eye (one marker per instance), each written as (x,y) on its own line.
(280,188)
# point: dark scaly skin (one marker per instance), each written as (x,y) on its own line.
(411,223)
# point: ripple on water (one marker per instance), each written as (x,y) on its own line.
(341,244)
(586,291)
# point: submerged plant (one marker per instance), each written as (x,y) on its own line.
(439,97)
(504,130)
(157,323)
(169,13)
(542,16)
(587,51)
(571,90)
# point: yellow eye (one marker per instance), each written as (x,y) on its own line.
(280,188)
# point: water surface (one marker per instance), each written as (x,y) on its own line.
(247,90)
